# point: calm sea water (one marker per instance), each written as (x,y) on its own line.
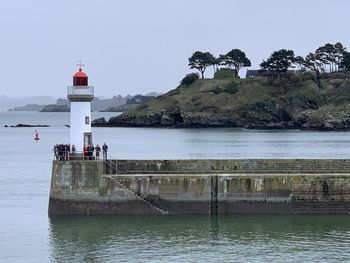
(28,235)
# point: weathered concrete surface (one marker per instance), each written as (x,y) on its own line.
(200,187)
(285,166)
(79,187)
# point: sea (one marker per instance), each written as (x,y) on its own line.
(27,234)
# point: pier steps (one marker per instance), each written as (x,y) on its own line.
(111,169)
(139,197)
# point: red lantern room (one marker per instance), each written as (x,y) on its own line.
(80,78)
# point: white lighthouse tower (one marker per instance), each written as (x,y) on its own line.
(80,96)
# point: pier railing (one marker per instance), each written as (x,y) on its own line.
(68,156)
(110,166)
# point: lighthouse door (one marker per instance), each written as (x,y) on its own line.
(87,139)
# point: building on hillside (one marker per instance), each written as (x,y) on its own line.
(262,73)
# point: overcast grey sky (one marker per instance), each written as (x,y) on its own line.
(137,46)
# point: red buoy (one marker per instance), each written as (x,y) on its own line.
(36,136)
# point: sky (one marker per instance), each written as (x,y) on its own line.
(137,46)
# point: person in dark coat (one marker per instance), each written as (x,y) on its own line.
(92,148)
(104,149)
(55,151)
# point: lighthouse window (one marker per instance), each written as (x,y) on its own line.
(87,120)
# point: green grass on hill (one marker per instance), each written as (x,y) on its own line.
(242,102)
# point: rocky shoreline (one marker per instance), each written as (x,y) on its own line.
(20,125)
(321,120)
(306,122)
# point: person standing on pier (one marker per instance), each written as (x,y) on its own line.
(73,149)
(92,149)
(104,148)
(98,150)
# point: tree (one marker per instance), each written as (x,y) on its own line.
(345,63)
(215,63)
(313,63)
(279,61)
(326,55)
(266,65)
(221,60)
(189,79)
(299,61)
(235,59)
(340,54)
(326,58)
(200,61)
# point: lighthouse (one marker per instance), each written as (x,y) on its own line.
(80,96)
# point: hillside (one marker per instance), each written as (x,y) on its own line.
(55,108)
(131,103)
(8,103)
(28,107)
(301,102)
(97,104)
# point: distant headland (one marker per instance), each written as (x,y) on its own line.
(115,104)
(287,92)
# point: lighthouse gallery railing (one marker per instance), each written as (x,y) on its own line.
(80,90)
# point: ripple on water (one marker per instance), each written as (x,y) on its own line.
(201,239)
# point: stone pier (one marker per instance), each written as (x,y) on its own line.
(250,186)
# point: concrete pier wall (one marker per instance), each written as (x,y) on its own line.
(200,187)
